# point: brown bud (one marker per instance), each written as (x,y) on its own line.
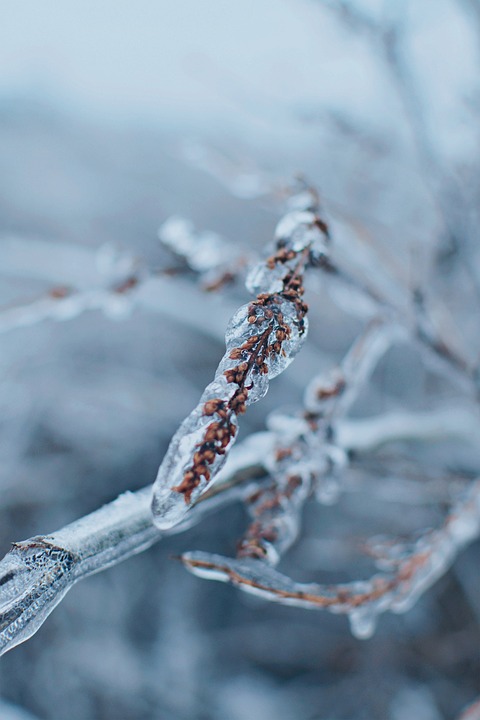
(211,406)
(209,456)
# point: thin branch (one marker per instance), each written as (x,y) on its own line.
(37,573)
(213,258)
(413,571)
(261,339)
(435,350)
(91,281)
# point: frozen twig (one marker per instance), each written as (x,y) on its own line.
(307,445)
(410,570)
(206,253)
(37,573)
(275,513)
(262,339)
(435,350)
(329,396)
(101,279)
(308,449)
(371,433)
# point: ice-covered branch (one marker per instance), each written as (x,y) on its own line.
(329,396)
(262,339)
(103,279)
(409,570)
(37,573)
(353,294)
(307,445)
(371,433)
(275,518)
(206,253)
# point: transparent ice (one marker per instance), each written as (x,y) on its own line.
(299,230)
(239,330)
(278,362)
(263,279)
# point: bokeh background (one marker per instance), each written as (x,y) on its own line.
(113,117)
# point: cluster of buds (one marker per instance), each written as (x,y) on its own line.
(273,510)
(262,339)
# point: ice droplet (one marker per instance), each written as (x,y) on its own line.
(363,622)
(202,250)
(117,307)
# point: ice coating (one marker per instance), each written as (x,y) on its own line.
(208,433)
(201,250)
(275,518)
(413,570)
(331,394)
(300,229)
(34,577)
(262,338)
(262,278)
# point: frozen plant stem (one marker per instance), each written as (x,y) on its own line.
(262,339)
(409,571)
(37,573)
